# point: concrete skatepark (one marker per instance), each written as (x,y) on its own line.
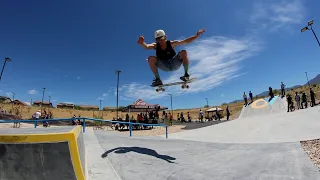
(264,143)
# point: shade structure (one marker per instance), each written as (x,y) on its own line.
(141,106)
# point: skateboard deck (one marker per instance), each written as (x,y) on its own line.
(184,84)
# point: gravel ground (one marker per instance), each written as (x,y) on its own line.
(312,148)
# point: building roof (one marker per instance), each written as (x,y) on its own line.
(18,101)
(39,102)
(65,104)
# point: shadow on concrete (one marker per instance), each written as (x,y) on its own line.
(196,125)
(140,150)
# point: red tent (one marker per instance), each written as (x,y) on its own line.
(141,106)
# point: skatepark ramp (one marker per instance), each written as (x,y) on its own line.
(42,153)
(263,107)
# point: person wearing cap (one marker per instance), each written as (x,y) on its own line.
(166,57)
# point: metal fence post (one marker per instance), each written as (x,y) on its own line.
(84,124)
(130,129)
(166,132)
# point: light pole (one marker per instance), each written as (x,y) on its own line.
(171,104)
(309,27)
(207,103)
(118,74)
(307,79)
(43,89)
(100,109)
(4,64)
(13,94)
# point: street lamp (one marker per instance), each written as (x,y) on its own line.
(100,109)
(43,89)
(307,79)
(207,103)
(118,73)
(171,104)
(4,64)
(309,27)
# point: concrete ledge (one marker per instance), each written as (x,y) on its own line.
(42,153)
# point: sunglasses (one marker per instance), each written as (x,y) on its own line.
(159,38)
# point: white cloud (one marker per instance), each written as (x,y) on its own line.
(32,92)
(100,98)
(9,94)
(78,77)
(214,60)
(103,96)
(0,91)
(273,15)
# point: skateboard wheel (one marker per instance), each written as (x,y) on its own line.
(182,86)
(163,90)
(187,86)
(157,90)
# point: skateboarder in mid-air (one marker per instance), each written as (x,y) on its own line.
(166,57)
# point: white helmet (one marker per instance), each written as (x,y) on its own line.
(159,33)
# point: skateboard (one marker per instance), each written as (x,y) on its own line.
(184,85)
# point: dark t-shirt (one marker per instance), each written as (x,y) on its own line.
(167,53)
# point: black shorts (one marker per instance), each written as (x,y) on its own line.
(170,64)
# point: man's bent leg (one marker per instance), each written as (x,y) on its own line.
(185,61)
(153,66)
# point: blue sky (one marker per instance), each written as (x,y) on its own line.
(72,48)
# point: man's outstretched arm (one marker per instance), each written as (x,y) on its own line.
(148,46)
(188,40)
(145,45)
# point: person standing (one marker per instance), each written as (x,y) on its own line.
(313,98)
(245,99)
(251,96)
(283,92)
(304,102)
(37,116)
(289,101)
(297,98)
(218,113)
(189,117)
(228,112)
(201,115)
